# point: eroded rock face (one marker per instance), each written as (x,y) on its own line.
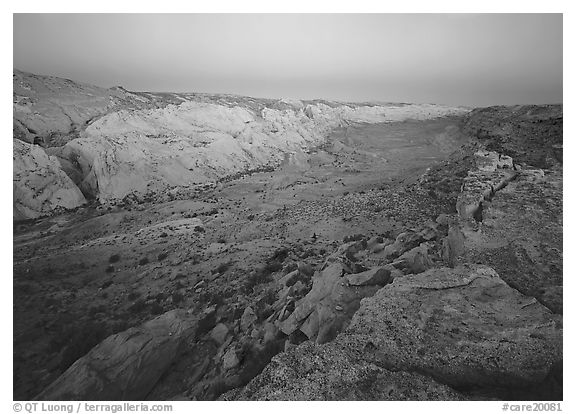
(146,152)
(39,184)
(462,327)
(334,298)
(127,365)
(492,172)
(521,236)
(328,372)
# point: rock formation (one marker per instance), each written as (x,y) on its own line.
(116,144)
(462,327)
(40,186)
(244,248)
(127,365)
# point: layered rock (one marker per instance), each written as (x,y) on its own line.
(510,217)
(491,173)
(127,365)
(464,327)
(40,186)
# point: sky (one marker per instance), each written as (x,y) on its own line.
(454,59)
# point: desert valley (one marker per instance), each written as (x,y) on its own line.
(189,246)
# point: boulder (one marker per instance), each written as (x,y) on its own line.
(415,260)
(290,278)
(331,302)
(377,276)
(453,245)
(404,242)
(125,366)
(230,360)
(219,333)
(248,319)
(322,286)
(305,268)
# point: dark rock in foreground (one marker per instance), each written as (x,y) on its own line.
(127,365)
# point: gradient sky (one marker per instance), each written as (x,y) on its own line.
(475,60)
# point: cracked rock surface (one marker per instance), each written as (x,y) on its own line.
(462,327)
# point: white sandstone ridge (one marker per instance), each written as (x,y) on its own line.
(111,143)
(40,186)
(140,152)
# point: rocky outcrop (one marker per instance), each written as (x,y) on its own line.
(493,171)
(464,328)
(520,235)
(40,186)
(334,298)
(127,365)
(530,134)
(510,217)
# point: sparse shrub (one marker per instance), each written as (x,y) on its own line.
(257,277)
(114,258)
(162,256)
(138,306)
(290,267)
(96,309)
(280,254)
(106,284)
(272,266)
